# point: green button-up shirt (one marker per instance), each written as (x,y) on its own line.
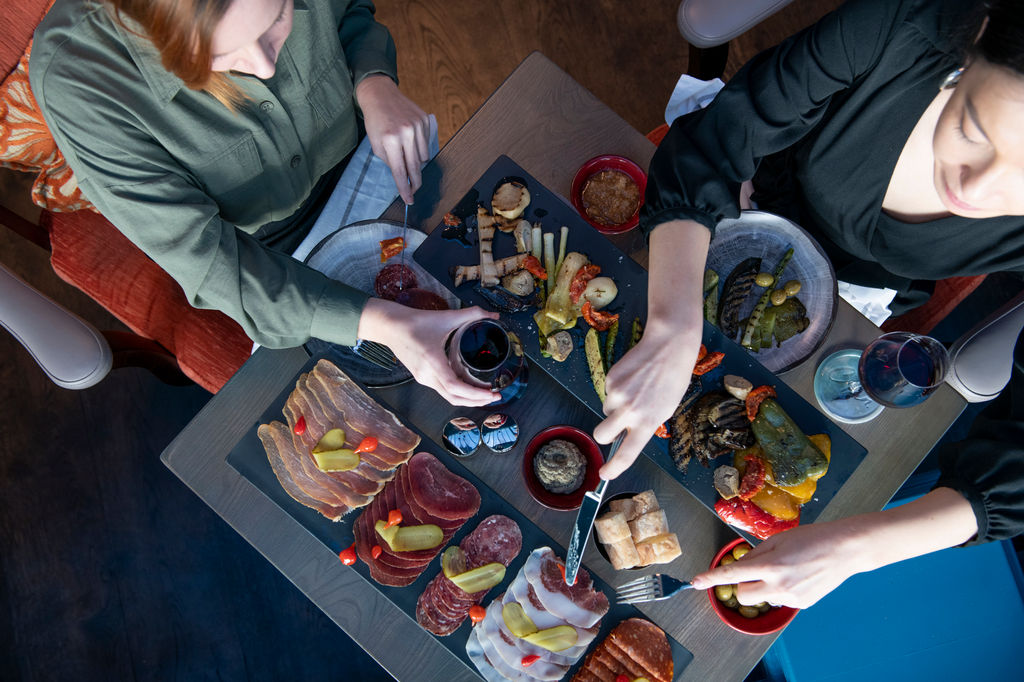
(191,182)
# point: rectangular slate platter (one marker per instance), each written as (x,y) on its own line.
(249,459)
(439,255)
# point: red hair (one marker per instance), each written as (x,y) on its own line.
(182,31)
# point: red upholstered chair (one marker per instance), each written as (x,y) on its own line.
(91,254)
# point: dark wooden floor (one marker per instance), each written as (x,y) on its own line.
(110,569)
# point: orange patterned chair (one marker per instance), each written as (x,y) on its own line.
(90,253)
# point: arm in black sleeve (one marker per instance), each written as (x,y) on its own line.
(771,103)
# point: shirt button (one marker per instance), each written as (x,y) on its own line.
(266,106)
(296,160)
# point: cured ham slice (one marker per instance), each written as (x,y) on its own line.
(635,648)
(440,492)
(443,606)
(500,655)
(322,400)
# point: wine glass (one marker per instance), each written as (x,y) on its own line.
(898,369)
(486,353)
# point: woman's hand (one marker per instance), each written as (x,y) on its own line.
(399,131)
(644,388)
(417,339)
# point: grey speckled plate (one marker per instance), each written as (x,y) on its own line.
(756,233)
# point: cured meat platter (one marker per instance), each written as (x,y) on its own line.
(250,459)
(439,254)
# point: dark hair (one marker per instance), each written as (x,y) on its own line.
(1002,40)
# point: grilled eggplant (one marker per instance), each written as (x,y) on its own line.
(714,425)
(734,292)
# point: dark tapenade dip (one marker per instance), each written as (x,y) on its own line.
(560,467)
(610,197)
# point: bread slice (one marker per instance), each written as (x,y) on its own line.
(622,554)
(645,502)
(612,527)
(626,506)
(660,549)
(648,525)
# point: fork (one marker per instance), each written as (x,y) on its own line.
(650,588)
(377,353)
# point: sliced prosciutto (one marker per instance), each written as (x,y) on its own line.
(443,606)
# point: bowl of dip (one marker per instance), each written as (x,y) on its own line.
(560,465)
(608,192)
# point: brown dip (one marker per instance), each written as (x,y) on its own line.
(610,197)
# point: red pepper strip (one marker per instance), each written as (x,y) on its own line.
(755,398)
(391,247)
(580,279)
(753,477)
(368,444)
(451,220)
(348,556)
(394,518)
(530,660)
(376,551)
(598,319)
(662,432)
(702,352)
(751,518)
(708,363)
(534,267)
(300,426)
(477,613)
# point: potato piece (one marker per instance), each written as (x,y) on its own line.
(560,345)
(738,387)
(611,527)
(727,481)
(519,283)
(600,292)
(645,502)
(510,200)
(648,525)
(622,554)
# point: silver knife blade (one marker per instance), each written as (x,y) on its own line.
(585,521)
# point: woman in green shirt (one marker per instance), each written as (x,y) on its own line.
(211,131)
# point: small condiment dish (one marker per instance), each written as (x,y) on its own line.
(603,163)
(772,620)
(587,445)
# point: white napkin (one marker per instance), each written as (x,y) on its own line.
(870,302)
(689,95)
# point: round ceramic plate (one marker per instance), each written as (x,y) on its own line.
(768,236)
(351,255)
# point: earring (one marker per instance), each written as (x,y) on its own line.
(952,79)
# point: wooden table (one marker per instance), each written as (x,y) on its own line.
(550,125)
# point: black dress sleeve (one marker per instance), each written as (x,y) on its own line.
(769,105)
(987,467)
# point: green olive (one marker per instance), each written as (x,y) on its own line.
(739,551)
(764,279)
(732,602)
(792,287)
(726,560)
(749,611)
(764,607)
(778,297)
(725,592)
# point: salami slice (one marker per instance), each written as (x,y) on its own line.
(392,279)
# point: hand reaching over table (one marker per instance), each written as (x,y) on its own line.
(417,337)
(398,129)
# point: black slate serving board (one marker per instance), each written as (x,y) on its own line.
(438,255)
(250,460)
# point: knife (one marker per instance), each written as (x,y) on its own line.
(585,520)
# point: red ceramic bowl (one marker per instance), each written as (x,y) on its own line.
(602,163)
(768,622)
(586,444)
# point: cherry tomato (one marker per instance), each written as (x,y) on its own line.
(368,444)
(348,556)
(300,426)
(394,518)
(476,613)
(390,248)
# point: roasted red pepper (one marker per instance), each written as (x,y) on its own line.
(451,220)
(348,556)
(391,247)
(707,361)
(300,426)
(477,613)
(376,551)
(368,444)
(755,398)
(662,432)
(530,660)
(598,319)
(751,518)
(580,279)
(394,518)
(753,477)
(534,267)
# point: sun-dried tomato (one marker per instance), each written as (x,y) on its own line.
(534,267)
(348,556)
(300,426)
(598,319)
(708,362)
(579,280)
(662,431)
(477,613)
(451,220)
(755,398)
(753,477)
(391,247)
(702,352)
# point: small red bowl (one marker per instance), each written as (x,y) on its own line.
(772,620)
(586,444)
(603,163)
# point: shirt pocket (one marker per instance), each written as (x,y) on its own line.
(330,96)
(233,178)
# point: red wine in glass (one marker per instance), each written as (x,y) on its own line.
(484,353)
(902,369)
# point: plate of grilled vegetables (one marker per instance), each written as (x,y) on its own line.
(769,287)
